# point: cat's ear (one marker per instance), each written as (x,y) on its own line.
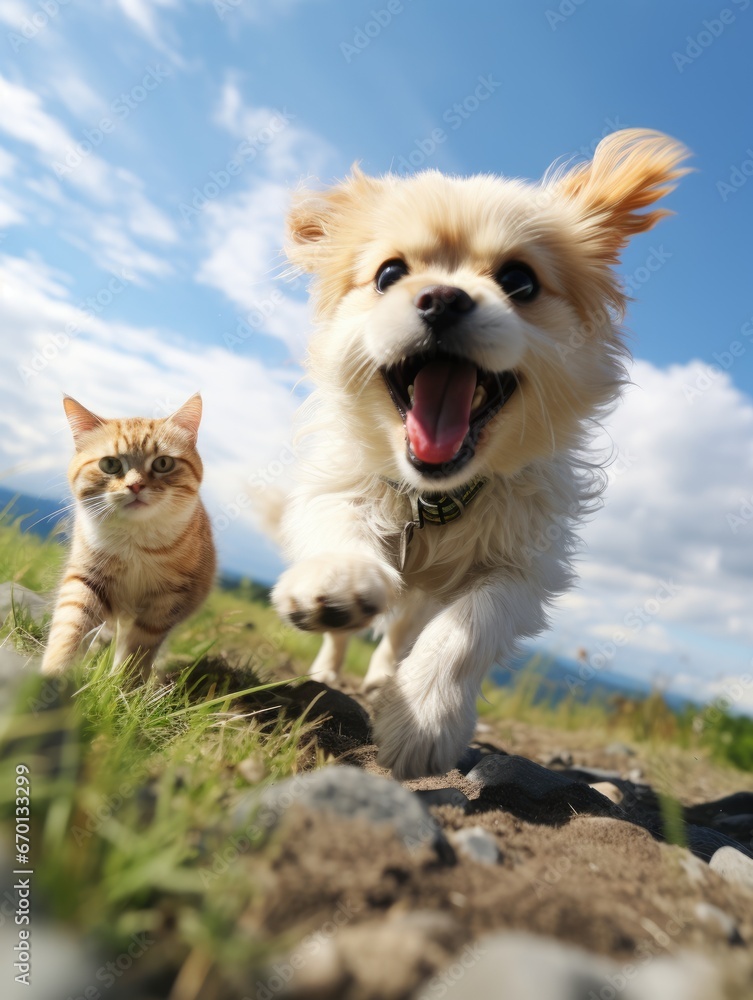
(188,416)
(80,419)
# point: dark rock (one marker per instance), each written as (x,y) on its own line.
(704,813)
(346,791)
(443,797)
(475,754)
(705,842)
(738,827)
(533,792)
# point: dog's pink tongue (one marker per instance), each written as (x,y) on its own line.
(440,416)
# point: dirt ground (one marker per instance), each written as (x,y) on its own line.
(603,882)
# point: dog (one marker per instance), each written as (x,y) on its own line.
(467,342)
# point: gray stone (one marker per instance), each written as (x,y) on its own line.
(620,748)
(346,791)
(733,866)
(477,844)
(14,595)
(718,921)
(444,797)
(520,966)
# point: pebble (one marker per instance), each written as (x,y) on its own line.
(620,748)
(521,966)
(349,792)
(611,791)
(444,797)
(733,866)
(477,844)
(717,920)
(563,758)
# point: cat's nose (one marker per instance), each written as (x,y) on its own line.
(440,306)
(135,487)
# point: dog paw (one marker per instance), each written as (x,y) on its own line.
(421,738)
(334,593)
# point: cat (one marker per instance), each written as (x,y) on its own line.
(142,556)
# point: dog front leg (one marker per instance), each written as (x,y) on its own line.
(427,714)
(341,579)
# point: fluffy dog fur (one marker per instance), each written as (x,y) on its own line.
(470,589)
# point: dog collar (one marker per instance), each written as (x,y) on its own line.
(435,508)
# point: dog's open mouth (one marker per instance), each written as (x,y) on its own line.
(445,401)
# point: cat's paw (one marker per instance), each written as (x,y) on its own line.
(335,592)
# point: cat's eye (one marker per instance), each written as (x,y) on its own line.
(390,272)
(518,281)
(112,466)
(163,464)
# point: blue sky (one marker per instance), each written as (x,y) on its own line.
(306,88)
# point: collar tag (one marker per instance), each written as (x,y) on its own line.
(436,509)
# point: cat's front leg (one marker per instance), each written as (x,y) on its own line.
(81,608)
(427,714)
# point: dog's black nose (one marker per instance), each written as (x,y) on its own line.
(441,305)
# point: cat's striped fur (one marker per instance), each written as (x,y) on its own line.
(142,557)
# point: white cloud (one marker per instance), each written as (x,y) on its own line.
(109,238)
(662,563)
(117,369)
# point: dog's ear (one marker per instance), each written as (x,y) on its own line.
(631,169)
(315,218)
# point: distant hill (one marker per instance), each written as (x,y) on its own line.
(40,516)
(559,677)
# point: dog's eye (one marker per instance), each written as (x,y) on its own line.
(389,273)
(518,281)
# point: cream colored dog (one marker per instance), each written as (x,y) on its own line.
(467,341)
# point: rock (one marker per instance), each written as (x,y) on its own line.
(474,755)
(377,958)
(534,792)
(14,595)
(13,667)
(635,775)
(563,758)
(718,921)
(739,827)
(341,712)
(619,748)
(705,842)
(708,813)
(346,791)
(520,966)
(733,866)
(477,844)
(611,791)
(444,797)
(591,774)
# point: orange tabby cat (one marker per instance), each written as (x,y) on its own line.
(142,557)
